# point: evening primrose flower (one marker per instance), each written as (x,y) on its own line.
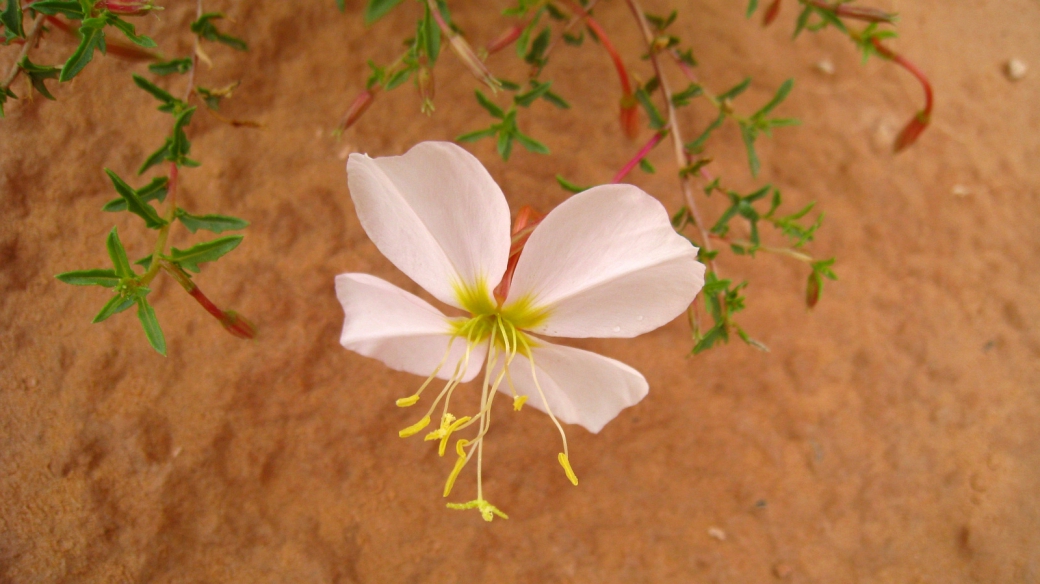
(605,263)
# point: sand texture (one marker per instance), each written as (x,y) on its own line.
(891,435)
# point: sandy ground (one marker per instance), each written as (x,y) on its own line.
(890,436)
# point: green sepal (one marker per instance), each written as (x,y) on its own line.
(69,8)
(171,66)
(118,255)
(117,304)
(99,277)
(128,29)
(203,27)
(37,74)
(377,9)
(146,314)
(208,251)
(91,38)
(11,18)
(214,223)
(134,204)
(398,78)
(149,192)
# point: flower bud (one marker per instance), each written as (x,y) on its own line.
(911,132)
(771,13)
(473,63)
(864,13)
(505,39)
(424,80)
(127,7)
(629,117)
(238,325)
(357,109)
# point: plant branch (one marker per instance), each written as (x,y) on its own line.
(30,40)
(654,141)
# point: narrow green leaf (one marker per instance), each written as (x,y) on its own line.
(477,135)
(752,6)
(37,74)
(11,18)
(156,91)
(118,255)
(528,97)
(69,8)
(5,93)
(531,144)
(697,145)
(377,9)
(505,144)
(204,28)
(536,54)
(489,105)
(134,204)
(736,90)
(747,134)
(781,95)
(208,251)
(398,78)
(90,39)
(569,186)
(432,36)
(146,314)
(685,96)
(342,5)
(156,157)
(116,305)
(106,278)
(656,121)
(214,223)
(171,66)
(646,166)
(128,29)
(556,100)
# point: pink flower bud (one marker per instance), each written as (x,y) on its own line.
(771,13)
(126,7)
(505,39)
(238,325)
(357,108)
(911,132)
(473,63)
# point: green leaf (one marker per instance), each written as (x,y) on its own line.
(569,186)
(656,121)
(505,144)
(204,28)
(748,135)
(398,78)
(736,90)
(781,95)
(477,135)
(536,54)
(5,93)
(489,105)
(118,255)
(698,145)
(432,36)
(37,74)
(134,204)
(128,29)
(531,144)
(208,251)
(556,100)
(574,40)
(117,304)
(179,144)
(106,278)
(685,96)
(377,9)
(214,223)
(146,314)
(156,91)
(11,18)
(156,157)
(528,97)
(342,5)
(69,8)
(646,167)
(171,66)
(91,38)
(751,7)
(149,192)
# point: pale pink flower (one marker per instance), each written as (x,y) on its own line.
(605,263)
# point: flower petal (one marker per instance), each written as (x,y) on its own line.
(399,328)
(607,263)
(581,387)
(437,214)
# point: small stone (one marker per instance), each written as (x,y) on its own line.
(717,533)
(1015,69)
(782,570)
(961,190)
(825,66)
(346,151)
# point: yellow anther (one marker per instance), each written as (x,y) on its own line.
(459,464)
(448,431)
(404,402)
(487,510)
(566,464)
(414,428)
(518,402)
(441,432)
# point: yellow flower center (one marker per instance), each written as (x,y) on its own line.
(502,329)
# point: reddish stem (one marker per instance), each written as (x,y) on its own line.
(505,39)
(920,121)
(526,220)
(657,137)
(230,320)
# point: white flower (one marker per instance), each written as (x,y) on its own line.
(604,263)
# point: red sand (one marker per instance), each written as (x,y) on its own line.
(890,436)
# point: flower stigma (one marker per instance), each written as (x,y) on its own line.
(502,330)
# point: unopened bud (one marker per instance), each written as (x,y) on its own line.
(505,39)
(127,7)
(238,325)
(911,132)
(812,290)
(864,13)
(356,110)
(629,117)
(473,63)
(771,13)
(128,52)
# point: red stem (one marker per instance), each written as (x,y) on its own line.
(654,140)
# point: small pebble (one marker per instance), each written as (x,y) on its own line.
(717,533)
(961,190)
(825,66)
(1015,69)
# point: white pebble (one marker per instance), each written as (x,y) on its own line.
(825,66)
(717,533)
(1015,69)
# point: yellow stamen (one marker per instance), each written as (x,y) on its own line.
(415,428)
(459,464)
(518,402)
(448,431)
(566,464)
(487,510)
(404,402)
